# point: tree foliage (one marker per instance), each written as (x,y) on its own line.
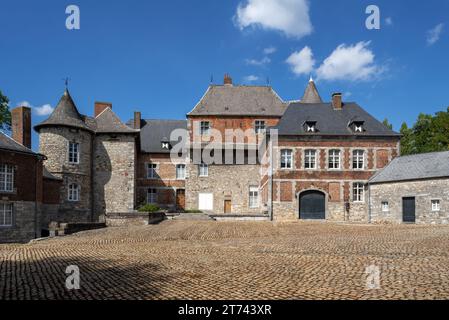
(430,133)
(5,114)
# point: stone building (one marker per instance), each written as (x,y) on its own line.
(411,189)
(324,156)
(26,188)
(94,156)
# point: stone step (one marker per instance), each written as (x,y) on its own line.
(192,216)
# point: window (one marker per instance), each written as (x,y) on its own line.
(253,197)
(310,127)
(152,196)
(6,210)
(385,206)
(436,205)
(203,170)
(358,128)
(358,159)
(165,145)
(334,159)
(181,171)
(6,178)
(286,159)
(358,190)
(151,171)
(310,159)
(260,126)
(74,192)
(74,152)
(204,128)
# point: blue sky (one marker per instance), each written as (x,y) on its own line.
(158,57)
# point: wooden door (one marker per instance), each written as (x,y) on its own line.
(227,206)
(180,199)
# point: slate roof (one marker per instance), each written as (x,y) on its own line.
(153,132)
(414,167)
(66,114)
(329,121)
(236,100)
(9,144)
(311,94)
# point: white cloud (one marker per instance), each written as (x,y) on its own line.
(288,16)
(301,62)
(353,62)
(44,110)
(260,62)
(389,21)
(270,50)
(433,35)
(24,104)
(251,78)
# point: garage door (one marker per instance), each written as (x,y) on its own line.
(312,205)
(206,201)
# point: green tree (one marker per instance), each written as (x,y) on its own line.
(387,124)
(5,114)
(407,143)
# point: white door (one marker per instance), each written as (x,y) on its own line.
(206,201)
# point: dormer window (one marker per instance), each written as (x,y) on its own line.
(357,126)
(310,126)
(165,145)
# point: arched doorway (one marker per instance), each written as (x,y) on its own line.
(312,205)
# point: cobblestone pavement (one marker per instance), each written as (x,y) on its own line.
(233,260)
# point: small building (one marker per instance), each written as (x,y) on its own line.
(412,189)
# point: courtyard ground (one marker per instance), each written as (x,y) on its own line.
(233,260)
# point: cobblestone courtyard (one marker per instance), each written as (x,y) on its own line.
(232,260)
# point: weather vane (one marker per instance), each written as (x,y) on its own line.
(66,81)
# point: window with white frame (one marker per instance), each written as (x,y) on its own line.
(6,178)
(74,152)
(203,170)
(436,205)
(358,159)
(286,159)
(253,197)
(152,196)
(181,171)
(259,126)
(6,211)
(358,192)
(151,170)
(385,206)
(310,127)
(74,192)
(358,128)
(204,128)
(334,159)
(310,159)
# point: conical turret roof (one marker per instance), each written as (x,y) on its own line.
(311,94)
(65,114)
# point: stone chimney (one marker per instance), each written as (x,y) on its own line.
(227,79)
(101,106)
(137,120)
(336,101)
(21,125)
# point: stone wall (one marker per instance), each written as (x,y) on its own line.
(114,173)
(24,223)
(423,190)
(226,182)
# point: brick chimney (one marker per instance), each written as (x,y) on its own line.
(101,106)
(336,101)
(21,125)
(137,120)
(227,79)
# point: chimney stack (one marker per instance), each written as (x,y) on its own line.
(227,79)
(21,125)
(137,120)
(101,106)
(336,101)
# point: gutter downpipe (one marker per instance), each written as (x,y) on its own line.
(369,202)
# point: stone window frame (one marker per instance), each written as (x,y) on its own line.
(70,192)
(438,207)
(353,194)
(260,126)
(365,160)
(3,225)
(317,153)
(185,171)
(78,152)
(155,195)
(252,196)
(205,173)
(382,207)
(155,170)
(340,159)
(292,159)
(5,179)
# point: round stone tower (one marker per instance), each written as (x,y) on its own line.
(66,139)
